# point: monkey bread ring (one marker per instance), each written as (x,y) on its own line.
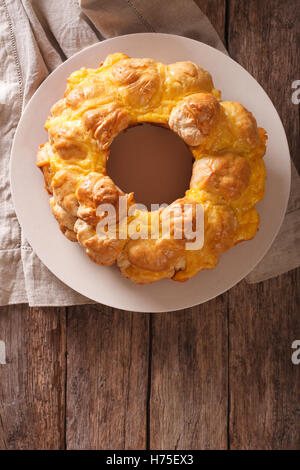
(228,177)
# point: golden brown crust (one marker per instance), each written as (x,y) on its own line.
(154,255)
(145,261)
(43,162)
(187,77)
(194,117)
(102,250)
(181,213)
(65,220)
(94,190)
(221,225)
(86,91)
(138,81)
(67,139)
(106,123)
(64,186)
(228,172)
(227,175)
(243,124)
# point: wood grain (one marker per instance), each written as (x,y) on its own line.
(264,38)
(189,378)
(214,376)
(264,383)
(215,10)
(188,407)
(264,318)
(107,378)
(32,405)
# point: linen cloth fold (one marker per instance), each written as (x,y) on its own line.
(35,37)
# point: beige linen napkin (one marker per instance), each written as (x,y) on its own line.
(35,37)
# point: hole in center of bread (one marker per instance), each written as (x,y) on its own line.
(152,162)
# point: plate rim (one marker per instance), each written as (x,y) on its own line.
(13,159)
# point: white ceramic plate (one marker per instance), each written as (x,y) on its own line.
(105,284)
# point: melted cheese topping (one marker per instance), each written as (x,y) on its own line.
(228,176)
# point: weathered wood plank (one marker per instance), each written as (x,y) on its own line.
(215,10)
(107,378)
(32,405)
(189,378)
(264,383)
(188,406)
(264,318)
(263,36)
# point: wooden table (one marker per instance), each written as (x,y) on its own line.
(216,376)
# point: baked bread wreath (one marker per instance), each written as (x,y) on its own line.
(228,176)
